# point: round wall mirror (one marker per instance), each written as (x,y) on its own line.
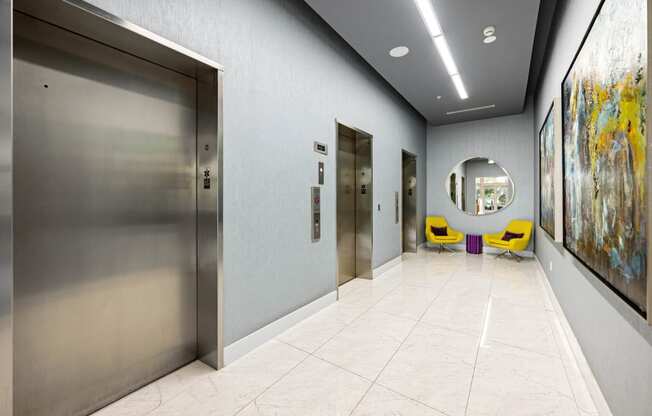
(479,186)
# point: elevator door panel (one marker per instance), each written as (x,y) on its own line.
(346,227)
(105,221)
(409,230)
(363,206)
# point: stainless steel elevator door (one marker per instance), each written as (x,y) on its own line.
(354,204)
(346,190)
(363,206)
(105,221)
(409,179)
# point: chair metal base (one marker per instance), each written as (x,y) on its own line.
(445,247)
(511,254)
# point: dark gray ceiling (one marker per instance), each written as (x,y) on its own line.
(493,74)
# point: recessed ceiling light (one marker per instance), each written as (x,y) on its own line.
(399,51)
(489,31)
(439,97)
(489,39)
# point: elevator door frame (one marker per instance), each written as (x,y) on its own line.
(410,155)
(87,20)
(369,275)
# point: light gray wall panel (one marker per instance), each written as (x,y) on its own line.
(507,140)
(616,341)
(288,76)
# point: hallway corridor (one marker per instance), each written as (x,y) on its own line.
(439,334)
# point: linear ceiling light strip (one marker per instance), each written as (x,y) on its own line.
(466,110)
(429,17)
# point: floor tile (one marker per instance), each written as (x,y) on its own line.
(422,279)
(366,346)
(408,301)
(433,366)
(461,306)
(153,396)
(139,403)
(315,331)
(351,286)
(520,326)
(181,405)
(513,382)
(232,388)
(521,290)
(313,388)
(380,401)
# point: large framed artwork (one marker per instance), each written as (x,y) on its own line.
(604,150)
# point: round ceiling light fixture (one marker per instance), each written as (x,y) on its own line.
(489,33)
(399,51)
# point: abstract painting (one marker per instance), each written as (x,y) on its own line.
(547,174)
(604,146)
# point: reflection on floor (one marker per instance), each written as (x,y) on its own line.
(439,334)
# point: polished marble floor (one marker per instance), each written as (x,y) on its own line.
(439,334)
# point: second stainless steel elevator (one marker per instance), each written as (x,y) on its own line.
(117,200)
(409,202)
(354,204)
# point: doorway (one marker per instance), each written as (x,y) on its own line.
(354,204)
(409,202)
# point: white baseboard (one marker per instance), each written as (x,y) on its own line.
(585,370)
(244,345)
(390,264)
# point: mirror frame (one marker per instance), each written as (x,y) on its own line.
(509,176)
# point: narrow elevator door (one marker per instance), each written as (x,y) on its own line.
(354,204)
(409,217)
(105,221)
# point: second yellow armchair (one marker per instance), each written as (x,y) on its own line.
(452,237)
(514,245)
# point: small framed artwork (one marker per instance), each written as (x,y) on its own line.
(550,174)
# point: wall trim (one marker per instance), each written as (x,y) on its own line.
(576,349)
(257,338)
(388,265)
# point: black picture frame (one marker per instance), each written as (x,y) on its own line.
(611,287)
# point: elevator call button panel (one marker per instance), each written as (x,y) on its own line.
(321,148)
(315,202)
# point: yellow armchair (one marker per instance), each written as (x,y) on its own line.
(453,237)
(514,245)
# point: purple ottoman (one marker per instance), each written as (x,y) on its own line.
(473,244)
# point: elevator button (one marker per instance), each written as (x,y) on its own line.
(207,179)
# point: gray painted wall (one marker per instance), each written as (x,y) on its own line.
(616,341)
(508,141)
(288,76)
